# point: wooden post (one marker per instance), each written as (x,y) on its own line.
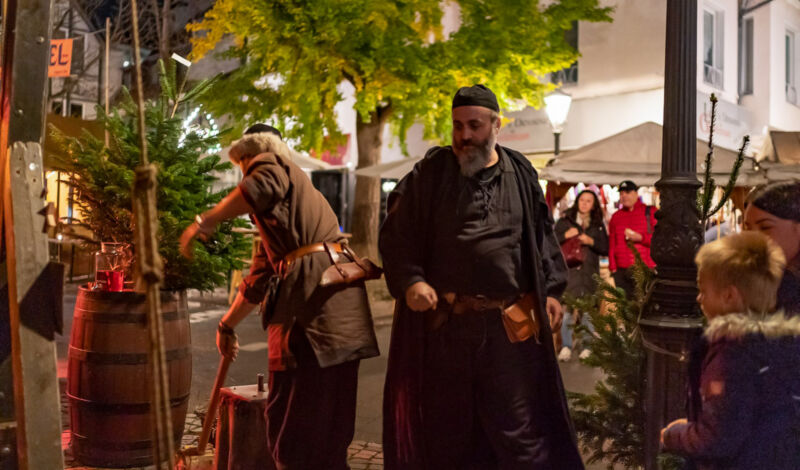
(29,313)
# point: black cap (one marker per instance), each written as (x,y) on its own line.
(258,128)
(628,185)
(476,95)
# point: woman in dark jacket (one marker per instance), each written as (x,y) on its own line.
(774,210)
(585,221)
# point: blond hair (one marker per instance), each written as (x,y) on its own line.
(749,261)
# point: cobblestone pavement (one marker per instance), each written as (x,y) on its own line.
(361,455)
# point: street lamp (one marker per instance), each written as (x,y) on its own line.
(556,105)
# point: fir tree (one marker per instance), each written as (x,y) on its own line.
(186,173)
(610,421)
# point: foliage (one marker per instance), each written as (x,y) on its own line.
(395,54)
(705,197)
(104,183)
(610,421)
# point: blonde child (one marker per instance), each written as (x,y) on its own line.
(744,398)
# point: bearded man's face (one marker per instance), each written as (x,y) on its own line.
(474,137)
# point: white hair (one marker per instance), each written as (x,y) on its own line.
(251,145)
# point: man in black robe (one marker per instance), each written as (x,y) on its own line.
(467,235)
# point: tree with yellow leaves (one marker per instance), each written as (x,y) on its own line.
(404,68)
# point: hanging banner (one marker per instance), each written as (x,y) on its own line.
(60,57)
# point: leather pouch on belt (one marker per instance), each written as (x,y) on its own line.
(519,321)
(345,273)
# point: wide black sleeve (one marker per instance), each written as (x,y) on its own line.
(553,264)
(403,235)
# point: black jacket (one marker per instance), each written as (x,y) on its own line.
(580,281)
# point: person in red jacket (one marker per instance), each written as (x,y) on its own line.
(629,223)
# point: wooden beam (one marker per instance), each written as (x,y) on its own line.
(33,313)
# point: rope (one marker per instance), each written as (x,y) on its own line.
(150,270)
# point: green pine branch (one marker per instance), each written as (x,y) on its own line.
(705,197)
(105,175)
(610,421)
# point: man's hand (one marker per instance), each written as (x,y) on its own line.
(571,232)
(193,231)
(553,307)
(633,236)
(228,344)
(677,422)
(420,296)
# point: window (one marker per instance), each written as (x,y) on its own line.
(713,35)
(76,110)
(791,86)
(746,60)
(568,75)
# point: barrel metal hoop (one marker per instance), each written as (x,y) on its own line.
(135,318)
(95,357)
(119,446)
(122,408)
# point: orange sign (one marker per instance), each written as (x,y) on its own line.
(60,57)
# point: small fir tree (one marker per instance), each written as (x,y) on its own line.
(610,421)
(104,178)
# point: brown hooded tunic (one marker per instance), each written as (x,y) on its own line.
(289,213)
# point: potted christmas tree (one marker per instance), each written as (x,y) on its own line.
(108,367)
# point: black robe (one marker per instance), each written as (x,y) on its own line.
(405,253)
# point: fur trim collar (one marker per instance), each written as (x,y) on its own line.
(736,326)
(251,145)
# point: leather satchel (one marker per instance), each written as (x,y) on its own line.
(519,321)
(572,249)
(345,273)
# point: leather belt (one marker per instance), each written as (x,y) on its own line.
(475,303)
(286,262)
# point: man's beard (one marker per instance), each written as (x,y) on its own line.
(473,159)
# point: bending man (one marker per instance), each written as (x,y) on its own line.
(316,335)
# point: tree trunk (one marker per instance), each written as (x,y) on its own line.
(366,208)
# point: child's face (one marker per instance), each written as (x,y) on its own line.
(715,300)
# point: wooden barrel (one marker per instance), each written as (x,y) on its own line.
(109,373)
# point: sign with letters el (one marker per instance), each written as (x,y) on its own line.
(60,57)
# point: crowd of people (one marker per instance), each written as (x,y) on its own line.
(474,259)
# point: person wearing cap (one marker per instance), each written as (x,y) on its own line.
(633,222)
(317,335)
(470,255)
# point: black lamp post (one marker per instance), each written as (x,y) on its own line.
(556,105)
(671,317)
